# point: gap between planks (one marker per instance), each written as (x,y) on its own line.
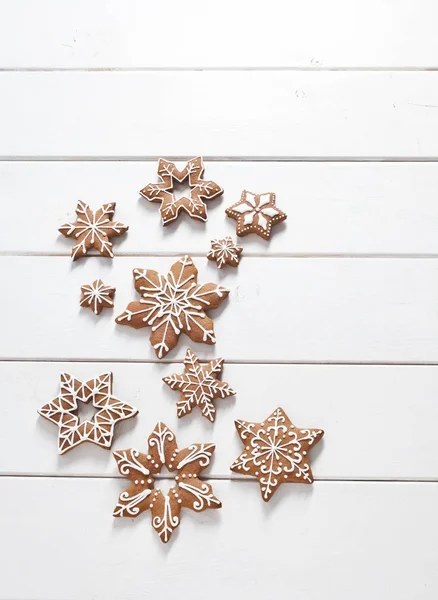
(197,68)
(208,158)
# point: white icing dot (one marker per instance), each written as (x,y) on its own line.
(247,448)
(136,482)
(149,480)
(285,476)
(142,482)
(149,457)
(304,452)
(183,476)
(179,501)
(256,472)
(190,475)
(151,505)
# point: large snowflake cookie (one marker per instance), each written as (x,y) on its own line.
(93,230)
(275,452)
(225,252)
(199,386)
(97,296)
(255,213)
(173,304)
(188,492)
(63,411)
(193,203)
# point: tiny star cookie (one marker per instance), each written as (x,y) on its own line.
(172,305)
(225,252)
(63,411)
(188,492)
(97,296)
(199,386)
(93,230)
(275,452)
(193,204)
(255,213)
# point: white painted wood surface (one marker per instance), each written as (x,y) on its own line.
(219,114)
(287,97)
(317,34)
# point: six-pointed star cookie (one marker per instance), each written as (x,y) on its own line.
(225,252)
(275,452)
(173,305)
(164,190)
(199,386)
(63,411)
(189,491)
(255,213)
(97,296)
(93,230)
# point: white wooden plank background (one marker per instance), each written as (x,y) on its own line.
(334,107)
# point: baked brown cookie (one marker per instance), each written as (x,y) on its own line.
(188,492)
(93,230)
(63,411)
(199,386)
(225,252)
(275,452)
(173,304)
(193,204)
(255,213)
(97,296)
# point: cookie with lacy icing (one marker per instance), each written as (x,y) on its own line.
(256,213)
(225,252)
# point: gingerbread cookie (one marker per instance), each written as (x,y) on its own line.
(93,230)
(193,204)
(225,252)
(189,491)
(63,411)
(199,386)
(275,452)
(255,213)
(172,305)
(97,296)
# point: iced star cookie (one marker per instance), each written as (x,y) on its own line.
(255,213)
(173,304)
(188,492)
(97,296)
(93,230)
(275,452)
(199,386)
(193,203)
(63,411)
(225,252)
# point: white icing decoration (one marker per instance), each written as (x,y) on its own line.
(97,295)
(167,523)
(224,250)
(198,452)
(127,505)
(127,460)
(158,438)
(203,494)
(255,211)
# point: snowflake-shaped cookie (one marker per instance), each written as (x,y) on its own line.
(255,213)
(189,491)
(97,296)
(173,305)
(93,230)
(225,252)
(194,203)
(63,411)
(275,452)
(199,386)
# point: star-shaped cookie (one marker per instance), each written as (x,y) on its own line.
(189,491)
(97,296)
(193,204)
(255,213)
(275,452)
(225,252)
(93,230)
(199,386)
(63,411)
(173,305)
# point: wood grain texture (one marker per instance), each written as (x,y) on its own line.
(378,33)
(333,208)
(226,114)
(311,542)
(380,422)
(279,310)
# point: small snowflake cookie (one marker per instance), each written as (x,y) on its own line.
(275,452)
(225,252)
(188,492)
(199,386)
(194,203)
(93,230)
(63,411)
(255,213)
(97,296)
(173,304)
